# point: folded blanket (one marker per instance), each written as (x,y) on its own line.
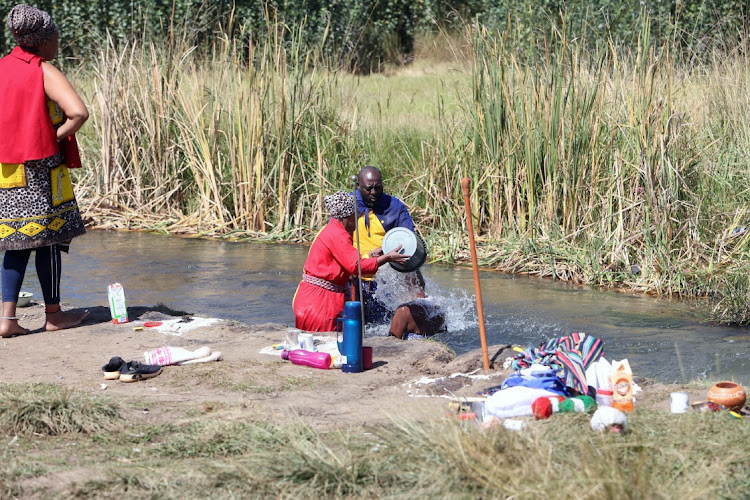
(568,356)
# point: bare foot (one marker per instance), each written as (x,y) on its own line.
(61,320)
(11,328)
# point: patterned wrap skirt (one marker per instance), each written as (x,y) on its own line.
(37,205)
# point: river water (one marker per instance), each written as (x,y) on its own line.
(254,283)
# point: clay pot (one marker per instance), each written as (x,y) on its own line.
(728,394)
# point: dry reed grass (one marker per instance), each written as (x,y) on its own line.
(44,409)
(584,164)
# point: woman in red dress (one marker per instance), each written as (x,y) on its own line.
(39,112)
(332,259)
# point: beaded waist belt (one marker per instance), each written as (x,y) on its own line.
(325,284)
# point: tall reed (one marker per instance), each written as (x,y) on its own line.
(237,138)
(607,166)
(592,151)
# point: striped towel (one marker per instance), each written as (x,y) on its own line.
(569,356)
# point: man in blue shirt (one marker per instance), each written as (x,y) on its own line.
(378,213)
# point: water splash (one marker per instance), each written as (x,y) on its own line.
(395,288)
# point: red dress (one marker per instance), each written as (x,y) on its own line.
(332,258)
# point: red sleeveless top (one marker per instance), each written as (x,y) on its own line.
(27,132)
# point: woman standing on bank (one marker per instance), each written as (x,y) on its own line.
(38,211)
(332,259)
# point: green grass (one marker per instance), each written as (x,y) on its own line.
(236,454)
(417,98)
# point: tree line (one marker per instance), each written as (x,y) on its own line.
(367,34)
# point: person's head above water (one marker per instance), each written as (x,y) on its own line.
(34,30)
(370,185)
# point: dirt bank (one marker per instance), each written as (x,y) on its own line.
(409,379)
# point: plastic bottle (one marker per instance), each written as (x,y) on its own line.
(320,360)
(578,404)
(621,382)
(604,397)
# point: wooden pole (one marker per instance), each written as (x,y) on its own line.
(465,187)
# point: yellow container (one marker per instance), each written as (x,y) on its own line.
(621,381)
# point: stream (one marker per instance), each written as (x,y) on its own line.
(254,283)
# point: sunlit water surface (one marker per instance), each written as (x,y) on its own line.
(254,283)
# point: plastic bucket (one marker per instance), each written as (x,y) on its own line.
(411,244)
(24,299)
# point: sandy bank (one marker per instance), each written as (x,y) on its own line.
(411,379)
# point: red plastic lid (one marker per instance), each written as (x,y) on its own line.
(604,392)
(151,324)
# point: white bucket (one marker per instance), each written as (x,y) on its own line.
(411,244)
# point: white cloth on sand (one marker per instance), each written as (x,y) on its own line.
(514,401)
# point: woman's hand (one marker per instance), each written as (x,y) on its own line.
(393,256)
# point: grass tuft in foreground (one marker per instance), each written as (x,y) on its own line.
(45,409)
(229,455)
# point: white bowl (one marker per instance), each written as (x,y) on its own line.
(24,299)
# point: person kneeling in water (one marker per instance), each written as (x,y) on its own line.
(419,317)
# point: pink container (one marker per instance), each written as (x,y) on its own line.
(321,360)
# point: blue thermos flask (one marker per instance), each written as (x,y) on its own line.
(350,324)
